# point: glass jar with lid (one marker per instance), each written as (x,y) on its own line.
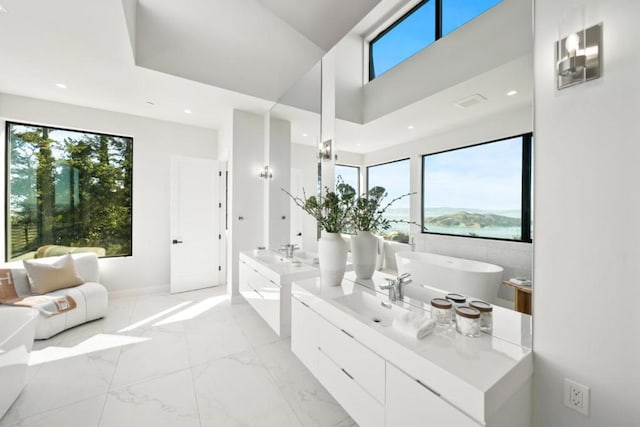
(468,321)
(486,315)
(457,300)
(441,310)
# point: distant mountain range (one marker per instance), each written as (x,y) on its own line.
(472,220)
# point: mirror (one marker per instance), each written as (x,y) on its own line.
(294,134)
(452,124)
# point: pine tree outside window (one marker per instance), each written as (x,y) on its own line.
(68,188)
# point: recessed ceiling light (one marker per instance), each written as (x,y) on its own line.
(358,145)
(410,127)
(305,135)
(512,92)
(3,9)
(61,85)
(151,103)
(188,111)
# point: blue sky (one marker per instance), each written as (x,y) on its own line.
(485,177)
(418,30)
(349,175)
(395,178)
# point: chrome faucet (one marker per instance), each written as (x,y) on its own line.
(396,286)
(288,250)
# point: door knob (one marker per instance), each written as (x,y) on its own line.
(175,242)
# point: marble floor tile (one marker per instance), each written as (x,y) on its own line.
(188,359)
(210,339)
(164,352)
(257,331)
(238,391)
(167,401)
(347,422)
(313,405)
(65,381)
(85,413)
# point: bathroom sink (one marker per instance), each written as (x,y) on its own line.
(371,308)
(270,258)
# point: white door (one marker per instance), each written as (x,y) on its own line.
(195,223)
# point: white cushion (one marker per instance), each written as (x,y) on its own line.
(92,303)
(46,276)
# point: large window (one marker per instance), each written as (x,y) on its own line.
(350,175)
(427,22)
(68,188)
(479,191)
(395,178)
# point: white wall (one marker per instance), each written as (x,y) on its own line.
(587,252)
(304,175)
(514,257)
(154,142)
(349,64)
(279,220)
(498,36)
(247,201)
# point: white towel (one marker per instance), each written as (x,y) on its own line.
(414,324)
(521,282)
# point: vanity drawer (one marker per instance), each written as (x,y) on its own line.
(366,367)
(412,404)
(304,334)
(363,408)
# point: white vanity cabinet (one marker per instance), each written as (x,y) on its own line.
(264,295)
(304,334)
(410,403)
(265,282)
(382,378)
(352,373)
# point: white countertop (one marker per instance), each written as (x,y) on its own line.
(280,271)
(455,365)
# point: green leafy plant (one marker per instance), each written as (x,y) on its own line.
(368,212)
(332,211)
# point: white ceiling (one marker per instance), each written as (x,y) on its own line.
(85,44)
(247,53)
(438,113)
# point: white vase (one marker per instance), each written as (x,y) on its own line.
(364,254)
(332,254)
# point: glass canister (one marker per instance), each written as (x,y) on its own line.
(457,300)
(468,321)
(441,311)
(486,315)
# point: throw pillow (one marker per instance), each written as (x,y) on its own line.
(45,277)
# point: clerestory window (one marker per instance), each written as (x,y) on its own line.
(428,21)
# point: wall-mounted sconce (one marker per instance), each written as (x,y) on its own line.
(266,172)
(578,51)
(326,150)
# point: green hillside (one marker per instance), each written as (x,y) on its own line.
(472,220)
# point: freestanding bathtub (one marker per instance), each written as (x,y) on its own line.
(475,279)
(17,329)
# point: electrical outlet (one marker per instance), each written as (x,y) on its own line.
(576,396)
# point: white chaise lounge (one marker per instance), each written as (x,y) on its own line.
(91,297)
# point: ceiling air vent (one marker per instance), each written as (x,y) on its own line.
(470,101)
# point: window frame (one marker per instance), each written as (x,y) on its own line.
(7,178)
(388,163)
(526,198)
(355,167)
(438,30)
